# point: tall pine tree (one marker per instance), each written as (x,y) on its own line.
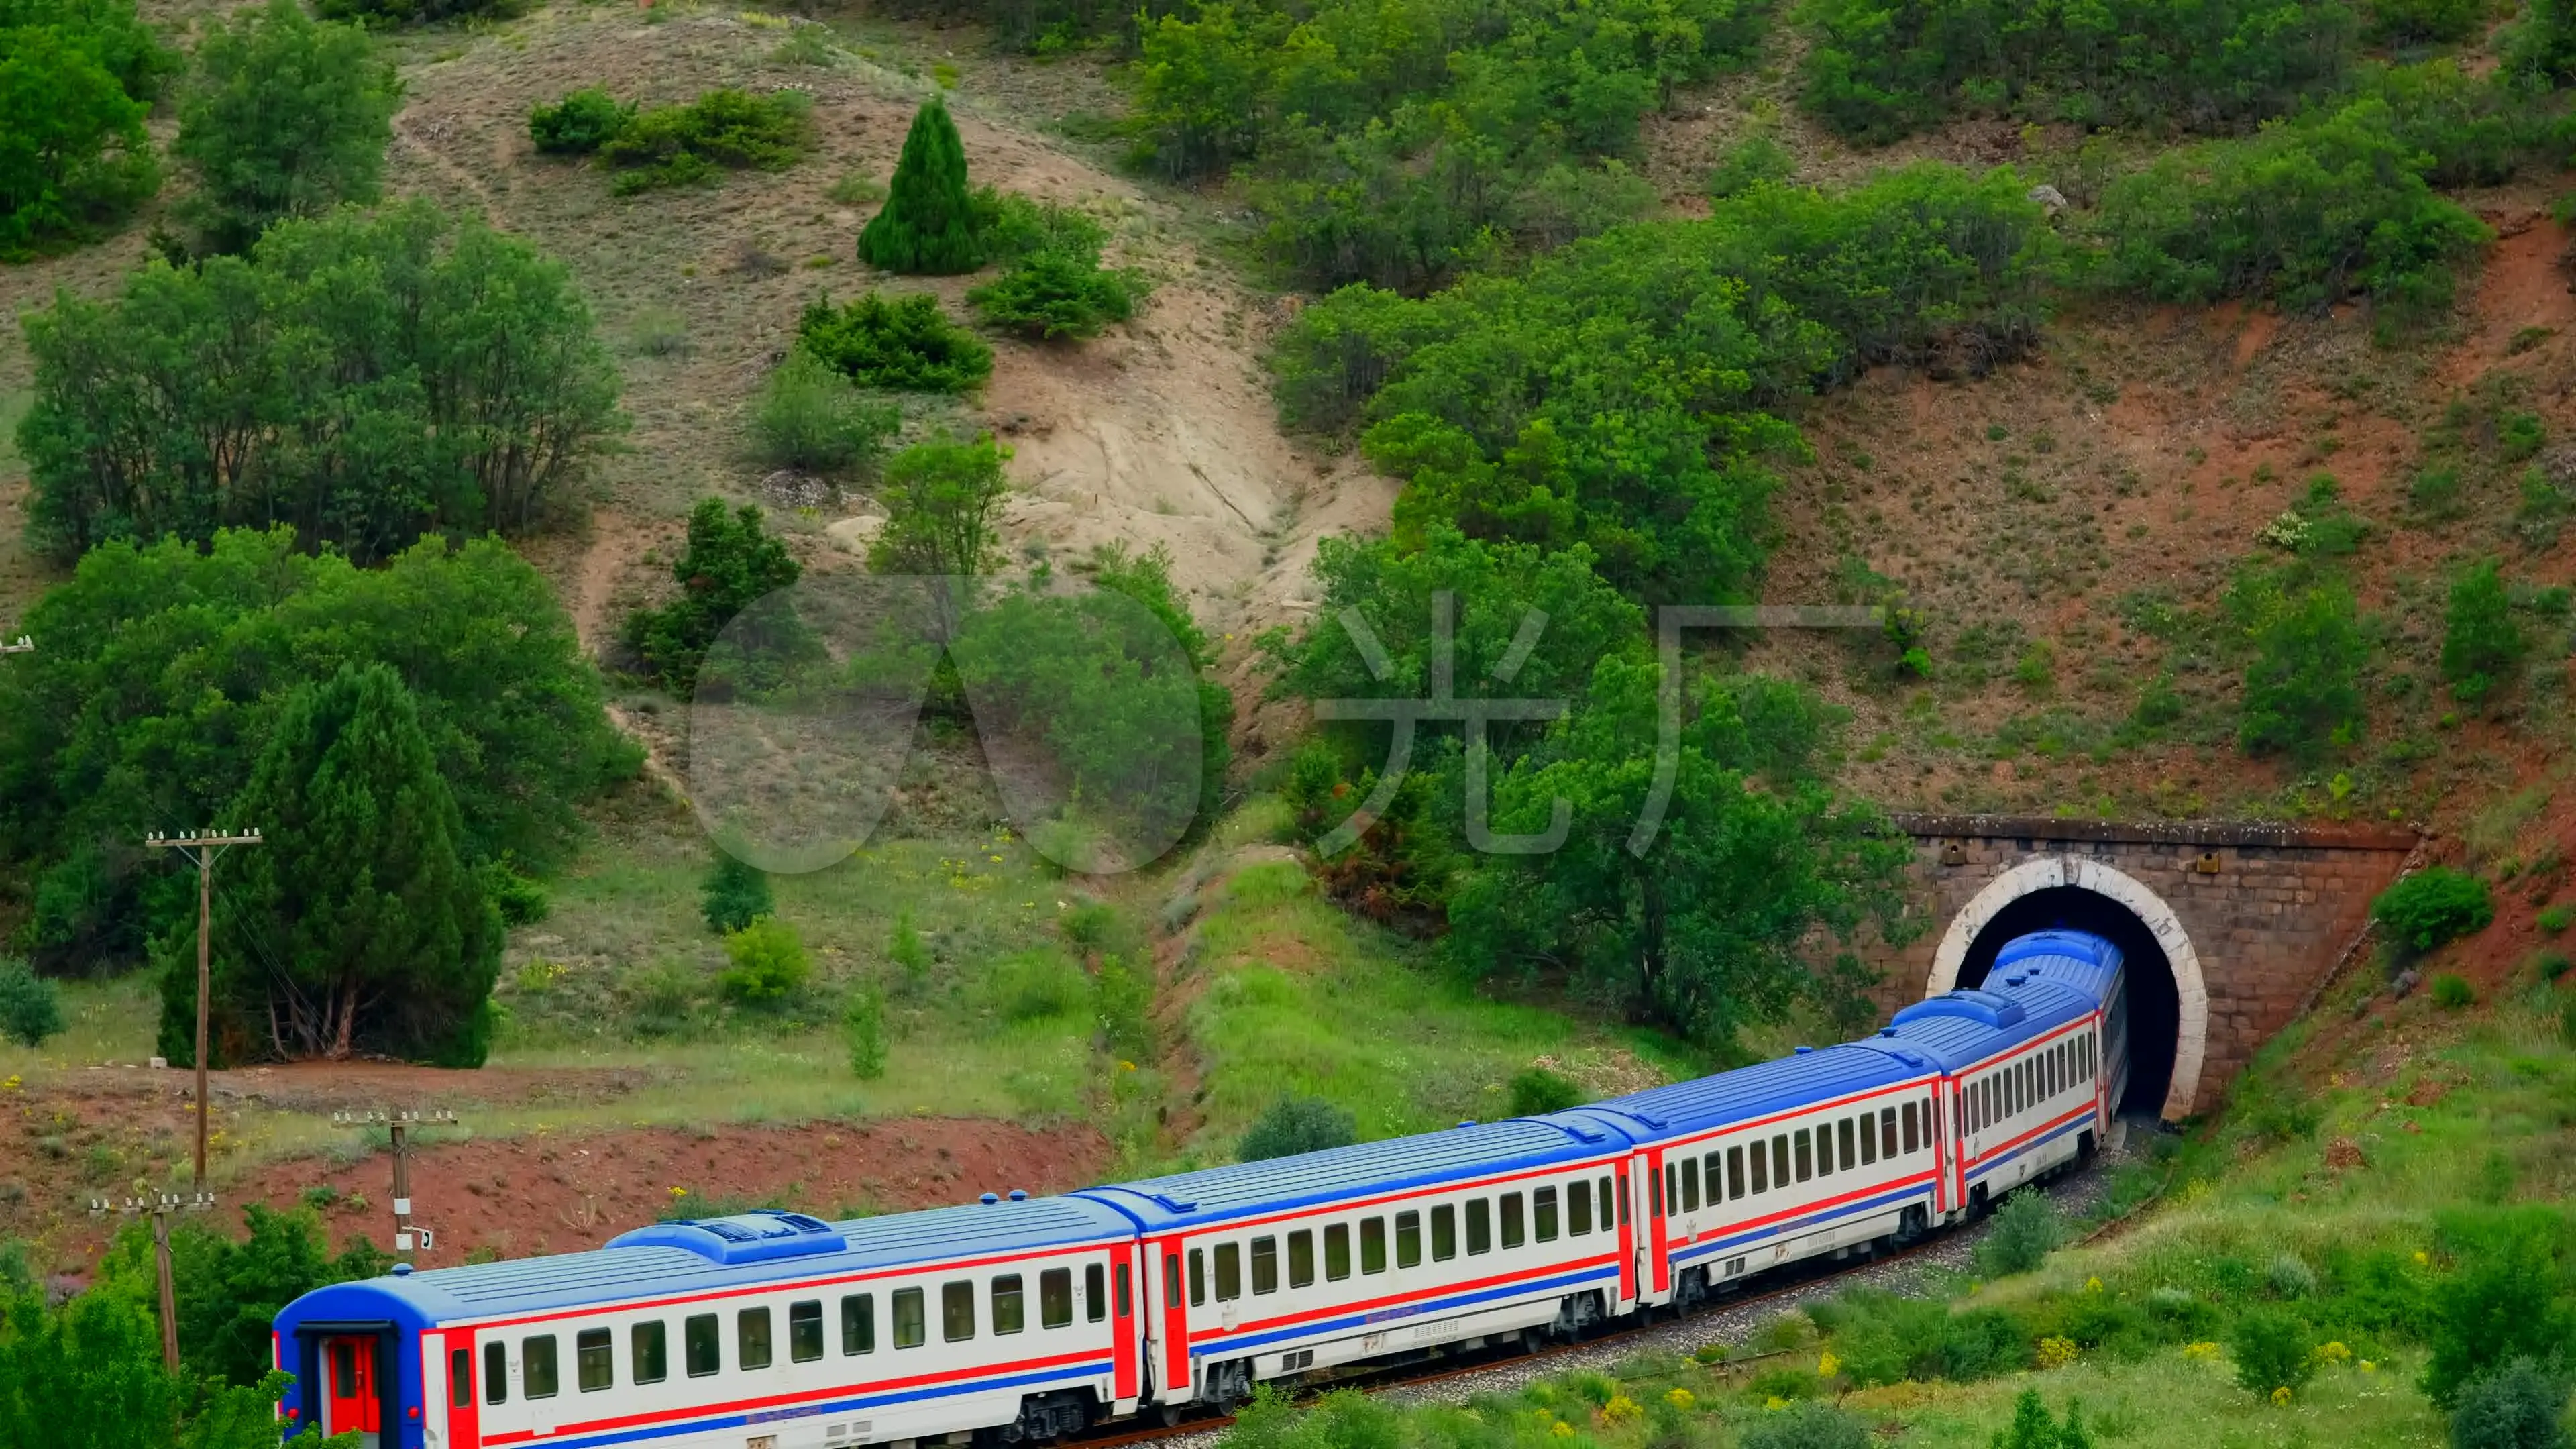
(928,225)
(356,926)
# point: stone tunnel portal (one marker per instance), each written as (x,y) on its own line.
(2155,1005)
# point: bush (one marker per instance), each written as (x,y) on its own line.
(2520,1406)
(2481,646)
(863,1027)
(1124,998)
(286,117)
(1757,160)
(1884,1339)
(2272,1351)
(30,1011)
(2422,22)
(2498,1305)
(929,223)
(580,123)
(76,81)
(940,499)
(2553,920)
(1806,1424)
(721,130)
(522,901)
(2032,1428)
(284,364)
(2451,991)
(2303,687)
(905,344)
(2290,1277)
(2433,906)
(2027,1228)
(769,963)
(735,895)
(1036,985)
(1536,1091)
(730,564)
(405,12)
(1292,1125)
(810,418)
(1057,293)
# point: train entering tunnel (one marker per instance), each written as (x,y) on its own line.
(2154,1001)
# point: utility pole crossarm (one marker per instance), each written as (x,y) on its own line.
(201,848)
(20,645)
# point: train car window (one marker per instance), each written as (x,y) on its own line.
(698,1342)
(1408,1239)
(1664,1195)
(1337,1251)
(1480,1226)
(1301,1258)
(1543,1214)
(1229,1272)
(648,1352)
(460,1378)
(1913,1143)
(1824,1149)
(1010,1304)
(1123,1309)
(540,1377)
(957,1310)
(1690,1184)
(496,1373)
(1761,1169)
(1509,1210)
(1887,1132)
(1780,1160)
(1843,1133)
(911,1324)
(1806,1155)
(751,1338)
(1578,1209)
(2029,1084)
(1734,1173)
(1715,1164)
(1198,1278)
(1868,1137)
(1265,1265)
(1623,1200)
(594,1360)
(1444,1233)
(1372,1245)
(858,1324)
(805,1330)
(1171,1288)
(1095,1291)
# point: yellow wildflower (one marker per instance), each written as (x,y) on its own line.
(679,1192)
(1776,1402)
(2368,1367)
(2333,1352)
(1620,1410)
(1563,1430)
(2204,1350)
(1681,1399)
(2280,1395)
(2092,1285)
(2422,1258)
(1827,1365)
(2056,1353)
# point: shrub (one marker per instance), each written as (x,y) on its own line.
(2272,1350)
(1536,1091)
(928,225)
(1035,985)
(2481,646)
(1124,998)
(735,895)
(2433,906)
(906,949)
(2303,687)
(2027,1228)
(2451,991)
(1291,1125)
(2554,919)
(768,963)
(2289,1276)
(521,900)
(2520,1406)
(730,564)
(2419,22)
(940,498)
(1806,1424)
(723,129)
(902,344)
(1757,160)
(580,123)
(76,84)
(1057,293)
(863,1027)
(2032,1428)
(1884,1339)
(809,417)
(404,12)
(2498,1305)
(286,117)
(30,1011)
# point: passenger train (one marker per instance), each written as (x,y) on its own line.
(1022,1319)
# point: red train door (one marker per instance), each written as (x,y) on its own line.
(1172,1327)
(1124,1320)
(464,1427)
(1658,1240)
(350,1399)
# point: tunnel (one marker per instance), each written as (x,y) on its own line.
(2155,1004)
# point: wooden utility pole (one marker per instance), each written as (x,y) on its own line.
(396,1124)
(160,1208)
(202,848)
(24,645)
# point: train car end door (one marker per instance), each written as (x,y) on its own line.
(351,1398)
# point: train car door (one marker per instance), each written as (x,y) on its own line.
(1169,1350)
(1125,1319)
(462,1414)
(1657,1235)
(350,1398)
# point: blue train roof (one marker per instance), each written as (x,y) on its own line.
(740,1251)
(2074,959)
(1808,1075)
(1216,1193)
(2073,945)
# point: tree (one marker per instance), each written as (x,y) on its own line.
(357,925)
(810,418)
(1536,1091)
(731,563)
(2480,644)
(863,1024)
(929,223)
(736,894)
(1291,1125)
(2032,1428)
(73,152)
(2499,1305)
(2518,1406)
(229,1293)
(940,500)
(30,1011)
(2303,688)
(769,963)
(88,1375)
(287,116)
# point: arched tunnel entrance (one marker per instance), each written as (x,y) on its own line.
(2155,1005)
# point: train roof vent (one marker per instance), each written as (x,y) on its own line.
(1173,1204)
(1982,1006)
(741,1238)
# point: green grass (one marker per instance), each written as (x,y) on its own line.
(110,1021)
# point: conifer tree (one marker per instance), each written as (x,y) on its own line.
(928,224)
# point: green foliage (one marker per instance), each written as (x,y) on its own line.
(2420,22)
(904,344)
(863,1027)
(77,78)
(809,417)
(735,895)
(358,926)
(364,378)
(767,963)
(580,123)
(1757,160)
(906,949)
(1123,996)
(286,116)
(2271,1350)
(2032,1428)
(730,563)
(229,1292)
(92,1369)
(406,12)
(2542,46)
(31,1012)
(940,498)
(1057,293)
(721,130)
(1807,1424)
(1293,1125)
(2519,1406)
(2435,905)
(1036,984)
(2303,687)
(2481,645)
(114,725)
(2451,991)
(1884,1339)
(1881,69)
(929,224)
(1536,1091)
(2027,1228)
(2501,1303)
(2552,920)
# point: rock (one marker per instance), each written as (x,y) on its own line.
(2407,980)
(855,535)
(2048,196)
